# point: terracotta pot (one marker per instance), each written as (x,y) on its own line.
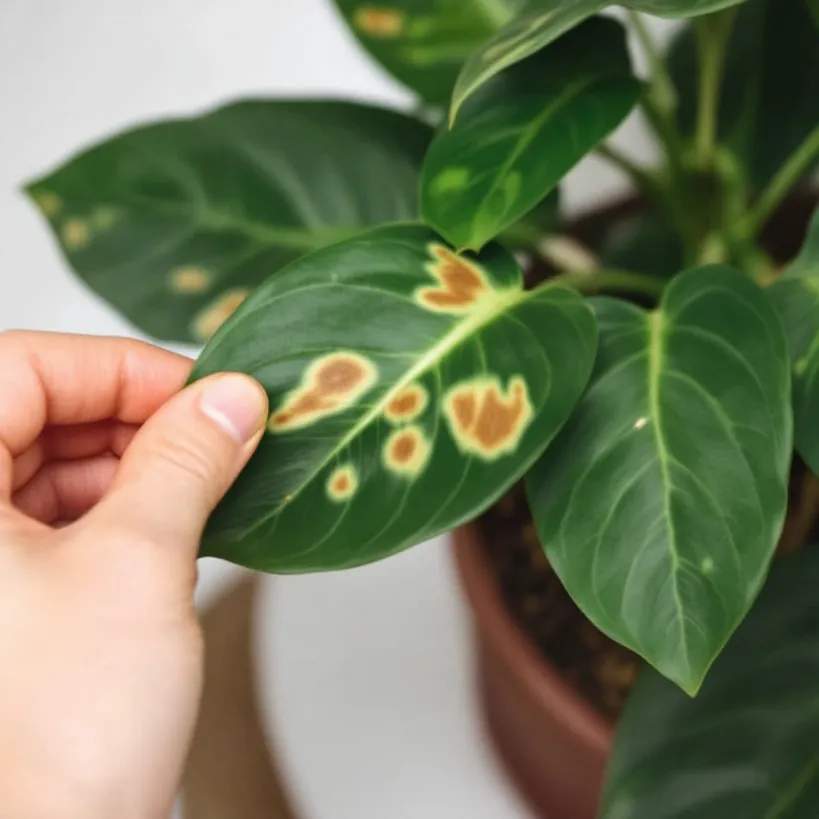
(552,742)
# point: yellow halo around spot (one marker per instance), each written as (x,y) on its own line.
(486,420)
(406,452)
(342,483)
(75,234)
(189,279)
(331,384)
(209,320)
(407,404)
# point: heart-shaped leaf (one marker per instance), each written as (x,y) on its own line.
(542,22)
(173,224)
(523,131)
(796,296)
(424,43)
(769,102)
(661,502)
(409,387)
(746,747)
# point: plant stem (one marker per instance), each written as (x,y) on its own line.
(663,92)
(623,281)
(796,166)
(713,33)
(639,176)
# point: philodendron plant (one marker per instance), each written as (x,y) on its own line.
(365,265)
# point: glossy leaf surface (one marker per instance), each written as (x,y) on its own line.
(796,296)
(174,223)
(523,131)
(409,387)
(423,43)
(746,747)
(661,502)
(769,101)
(542,22)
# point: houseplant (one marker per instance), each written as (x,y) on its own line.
(647,391)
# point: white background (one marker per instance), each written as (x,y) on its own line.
(74,71)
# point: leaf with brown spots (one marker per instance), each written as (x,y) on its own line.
(170,222)
(361,457)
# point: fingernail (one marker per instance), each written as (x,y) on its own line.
(237,404)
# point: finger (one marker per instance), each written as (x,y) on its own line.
(70,443)
(184,459)
(65,379)
(66,490)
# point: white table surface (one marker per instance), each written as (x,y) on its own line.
(367,672)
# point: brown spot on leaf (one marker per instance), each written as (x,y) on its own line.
(379,22)
(330,384)
(460,283)
(407,404)
(343,483)
(209,320)
(407,451)
(486,420)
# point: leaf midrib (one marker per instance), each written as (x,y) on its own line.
(460,332)
(656,357)
(531,132)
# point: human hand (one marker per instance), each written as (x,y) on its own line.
(107,477)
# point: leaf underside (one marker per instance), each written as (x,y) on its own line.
(661,502)
(174,223)
(746,746)
(409,387)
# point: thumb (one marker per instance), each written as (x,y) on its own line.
(185,458)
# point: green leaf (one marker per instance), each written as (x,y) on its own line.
(813,5)
(660,504)
(423,43)
(746,747)
(523,131)
(645,243)
(541,23)
(174,223)
(769,102)
(796,296)
(409,388)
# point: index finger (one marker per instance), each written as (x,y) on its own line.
(54,378)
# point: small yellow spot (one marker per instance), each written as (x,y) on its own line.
(379,22)
(407,404)
(406,451)
(342,483)
(707,565)
(461,283)
(104,218)
(331,384)
(209,320)
(450,180)
(75,234)
(49,203)
(486,420)
(640,423)
(189,279)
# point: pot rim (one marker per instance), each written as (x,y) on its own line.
(532,670)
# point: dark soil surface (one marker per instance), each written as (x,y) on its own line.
(600,669)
